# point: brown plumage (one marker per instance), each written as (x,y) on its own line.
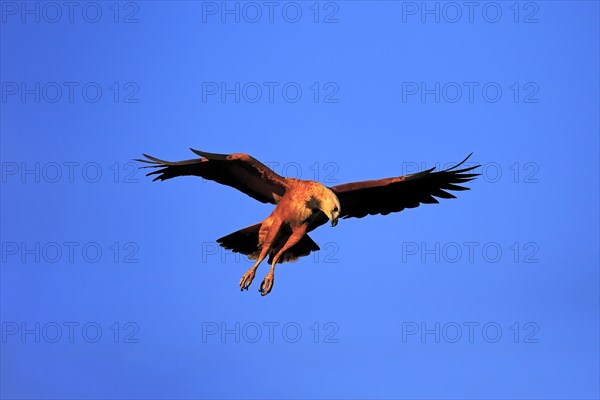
(303,205)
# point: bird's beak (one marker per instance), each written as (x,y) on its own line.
(334,221)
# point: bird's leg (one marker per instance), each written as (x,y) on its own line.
(268,231)
(267,283)
(249,275)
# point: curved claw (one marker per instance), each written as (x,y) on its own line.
(246,280)
(266,285)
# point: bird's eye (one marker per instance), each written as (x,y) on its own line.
(335,209)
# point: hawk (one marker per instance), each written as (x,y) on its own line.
(304,205)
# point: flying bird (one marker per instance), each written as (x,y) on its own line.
(304,205)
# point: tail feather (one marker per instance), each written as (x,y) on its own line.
(245,241)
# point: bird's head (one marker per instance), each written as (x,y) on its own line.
(328,203)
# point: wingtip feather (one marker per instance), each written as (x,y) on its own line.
(210,156)
(461,163)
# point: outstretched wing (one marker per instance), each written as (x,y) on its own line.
(384,196)
(241,171)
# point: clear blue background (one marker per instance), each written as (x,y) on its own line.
(371,288)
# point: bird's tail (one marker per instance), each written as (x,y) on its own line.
(245,241)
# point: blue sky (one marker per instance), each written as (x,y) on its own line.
(112,286)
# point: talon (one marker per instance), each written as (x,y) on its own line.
(246,280)
(266,285)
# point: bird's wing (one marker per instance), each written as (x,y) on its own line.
(384,196)
(241,171)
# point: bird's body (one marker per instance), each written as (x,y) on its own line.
(297,211)
(293,206)
(304,205)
